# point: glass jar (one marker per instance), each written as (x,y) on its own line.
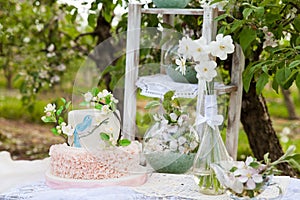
(170,148)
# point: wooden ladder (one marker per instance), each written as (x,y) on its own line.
(209,30)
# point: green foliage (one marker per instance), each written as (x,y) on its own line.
(56,115)
(12,108)
(106,137)
(38,44)
(268,34)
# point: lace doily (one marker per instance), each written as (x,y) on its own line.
(157,85)
(159,186)
(184,187)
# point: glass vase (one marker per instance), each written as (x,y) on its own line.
(170,148)
(211,150)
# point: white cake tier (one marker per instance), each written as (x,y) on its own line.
(88,124)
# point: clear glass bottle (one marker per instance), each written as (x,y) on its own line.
(211,150)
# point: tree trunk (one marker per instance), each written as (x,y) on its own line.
(289,104)
(258,127)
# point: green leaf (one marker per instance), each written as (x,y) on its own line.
(282,74)
(95,91)
(247,78)
(297,23)
(215,1)
(236,25)
(220,17)
(124,142)
(54,131)
(169,95)
(254,164)
(92,20)
(48,119)
(68,105)
(275,85)
(259,12)
(60,120)
(298,81)
(261,82)
(59,111)
(266,158)
(104,136)
(289,81)
(98,106)
(247,12)
(152,104)
(63,100)
(295,164)
(247,36)
(295,63)
(94,6)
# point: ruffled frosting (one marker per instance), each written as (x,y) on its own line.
(78,163)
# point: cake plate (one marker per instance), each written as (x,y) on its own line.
(133,180)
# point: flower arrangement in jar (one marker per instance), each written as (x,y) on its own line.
(171,143)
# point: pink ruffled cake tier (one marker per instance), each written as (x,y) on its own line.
(77,167)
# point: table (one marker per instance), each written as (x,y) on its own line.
(25,180)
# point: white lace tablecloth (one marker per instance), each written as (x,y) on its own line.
(28,183)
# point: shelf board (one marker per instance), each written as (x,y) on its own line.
(176,11)
(172,11)
(157,85)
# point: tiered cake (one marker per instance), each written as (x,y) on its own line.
(91,161)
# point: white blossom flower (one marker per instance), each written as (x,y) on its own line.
(200,49)
(172,129)
(269,40)
(50,55)
(193,145)
(173,117)
(43,74)
(105,93)
(181,140)
(181,149)
(51,47)
(248,176)
(180,62)
(25,40)
(185,47)
(113,99)
(88,96)
(61,67)
(173,145)
(286,131)
(55,79)
(222,46)
(206,70)
(50,108)
(105,109)
(100,95)
(68,130)
(182,118)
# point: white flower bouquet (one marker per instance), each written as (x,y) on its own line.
(198,54)
(250,178)
(101,100)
